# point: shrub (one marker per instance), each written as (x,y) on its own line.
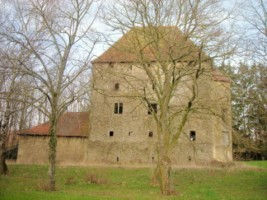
(70,181)
(95,179)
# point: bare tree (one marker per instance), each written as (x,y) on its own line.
(58,40)
(254,19)
(167,41)
(13,103)
(249,80)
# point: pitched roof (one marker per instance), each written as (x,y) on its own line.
(70,124)
(150,44)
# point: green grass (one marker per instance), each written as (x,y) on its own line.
(261,164)
(73,183)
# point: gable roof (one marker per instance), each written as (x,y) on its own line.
(139,45)
(70,124)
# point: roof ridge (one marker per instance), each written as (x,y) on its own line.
(174,45)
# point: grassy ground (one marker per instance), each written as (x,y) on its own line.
(261,164)
(75,183)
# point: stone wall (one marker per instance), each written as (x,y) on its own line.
(130,137)
(222,122)
(34,150)
(126,136)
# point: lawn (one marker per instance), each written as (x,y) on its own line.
(75,183)
(261,164)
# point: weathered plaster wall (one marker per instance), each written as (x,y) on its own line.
(223,122)
(34,150)
(130,141)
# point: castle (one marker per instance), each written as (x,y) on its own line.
(121,127)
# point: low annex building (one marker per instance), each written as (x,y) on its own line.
(121,128)
(72,141)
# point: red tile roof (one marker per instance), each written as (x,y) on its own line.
(172,46)
(70,124)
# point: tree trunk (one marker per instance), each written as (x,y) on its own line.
(3,137)
(3,166)
(52,153)
(162,172)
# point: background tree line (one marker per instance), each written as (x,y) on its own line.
(249,82)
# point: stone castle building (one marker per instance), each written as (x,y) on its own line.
(121,127)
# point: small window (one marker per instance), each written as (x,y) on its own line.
(118,108)
(152,108)
(192,135)
(131,67)
(117,86)
(111,133)
(153,86)
(150,134)
(111,65)
(130,133)
(118,159)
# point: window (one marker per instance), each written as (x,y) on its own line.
(118,108)
(111,133)
(152,108)
(153,86)
(111,65)
(117,86)
(150,134)
(192,135)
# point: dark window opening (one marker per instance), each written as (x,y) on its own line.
(153,158)
(153,86)
(118,159)
(118,108)
(150,134)
(111,133)
(117,86)
(152,108)
(111,65)
(130,133)
(189,158)
(131,67)
(192,135)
